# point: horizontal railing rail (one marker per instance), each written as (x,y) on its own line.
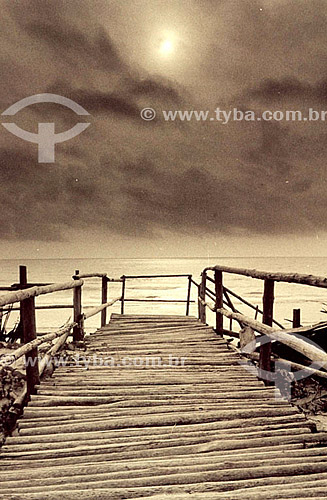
(96,310)
(172,301)
(154,276)
(19,286)
(92,275)
(302,279)
(36,291)
(42,307)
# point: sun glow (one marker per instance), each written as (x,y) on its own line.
(166,47)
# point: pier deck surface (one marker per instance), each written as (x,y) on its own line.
(208,429)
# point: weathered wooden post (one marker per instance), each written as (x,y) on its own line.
(203,316)
(22,285)
(28,322)
(1,316)
(267,319)
(296,318)
(78,333)
(219,290)
(188,295)
(123,294)
(104,299)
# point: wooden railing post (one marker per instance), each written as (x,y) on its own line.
(104,299)
(29,332)
(203,285)
(78,332)
(267,319)
(188,299)
(199,303)
(219,289)
(123,294)
(296,318)
(28,322)
(22,285)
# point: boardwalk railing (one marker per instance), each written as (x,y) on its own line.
(26,298)
(221,297)
(24,293)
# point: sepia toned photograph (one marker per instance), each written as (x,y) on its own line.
(163,249)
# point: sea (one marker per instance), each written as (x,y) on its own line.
(309,299)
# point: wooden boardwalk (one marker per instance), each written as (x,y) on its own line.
(208,429)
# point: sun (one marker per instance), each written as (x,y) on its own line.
(166,47)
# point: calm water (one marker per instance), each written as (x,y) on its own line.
(288,296)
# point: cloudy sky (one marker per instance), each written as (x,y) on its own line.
(127,187)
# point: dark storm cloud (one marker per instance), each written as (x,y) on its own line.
(38,204)
(157,90)
(96,101)
(269,90)
(69,42)
(133,177)
(272,90)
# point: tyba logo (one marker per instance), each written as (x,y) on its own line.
(46,138)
